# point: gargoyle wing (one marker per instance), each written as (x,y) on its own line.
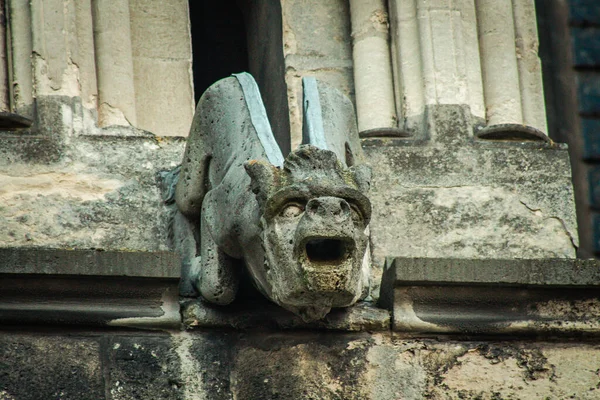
(330,121)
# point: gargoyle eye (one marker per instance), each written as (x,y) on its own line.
(292,210)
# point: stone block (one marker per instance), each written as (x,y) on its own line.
(470,200)
(590,130)
(225,365)
(50,367)
(88,288)
(89,263)
(521,297)
(170,113)
(142,368)
(162,67)
(320,28)
(584,12)
(588,93)
(160,32)
(69,184)
(586,47)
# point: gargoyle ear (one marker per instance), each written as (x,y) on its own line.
(262,178)
(362,177)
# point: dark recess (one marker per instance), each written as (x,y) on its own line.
(218,42)
(245,35)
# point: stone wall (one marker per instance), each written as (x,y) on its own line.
(107,87)
(87,175)
(316,42)
(292,365)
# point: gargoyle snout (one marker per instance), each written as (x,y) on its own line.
(329,207)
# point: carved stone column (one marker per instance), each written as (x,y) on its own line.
(373,81)
(478,178)
(437,58)
(20,48)
(114,60)
(477,53)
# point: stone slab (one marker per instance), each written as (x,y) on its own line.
(541,297)
(55,367)
(68,184)
(89,288)
(260,314)
(514,272)
(467,198)
(160,264)
(88,301)
(225,365)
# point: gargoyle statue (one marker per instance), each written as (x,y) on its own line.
(298,224)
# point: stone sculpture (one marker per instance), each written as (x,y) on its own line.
(299,223)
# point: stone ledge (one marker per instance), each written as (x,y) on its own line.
(565,272)
(160,264)
(261,314)
(551,297)
(85,301)
(89,288)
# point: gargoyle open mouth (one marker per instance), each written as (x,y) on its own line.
(331,251)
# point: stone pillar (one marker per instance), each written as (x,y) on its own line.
(4,87)
(529,65)
(466,71)
(21,49)
(476,53)
(436,58)
(372,66)
(499,62)
(511,69)
(63,50)
(114,62)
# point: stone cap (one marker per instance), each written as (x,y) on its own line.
(92,288)
(159,264)
(556,272)
(548,297)
(259,313)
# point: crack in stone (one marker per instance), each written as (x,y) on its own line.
(530,208)
(562,223)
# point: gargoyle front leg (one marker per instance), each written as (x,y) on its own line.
(218,278)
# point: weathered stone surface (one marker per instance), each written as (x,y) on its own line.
(459,197)
(88,262)
(267,365)
(550,297)
(329,59)
(473,200)
(521,370)
(256,312)
(513,272)
(142,368)
(50,367)
(298,224)
(162,66)
(69,184)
